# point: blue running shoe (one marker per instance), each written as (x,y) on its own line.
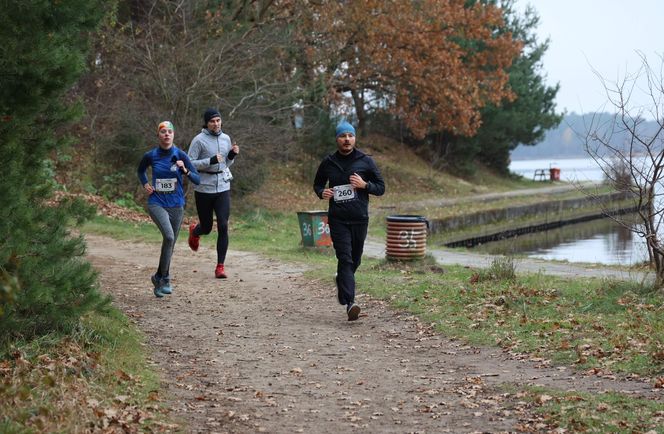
(157,286)
(166,288)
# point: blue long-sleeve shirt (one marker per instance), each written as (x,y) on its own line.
(166,176)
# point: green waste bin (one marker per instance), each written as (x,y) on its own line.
(314,228)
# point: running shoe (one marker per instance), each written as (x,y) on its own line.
(219,272)
(193,239)
(166,288)
(353,311)
(157,282)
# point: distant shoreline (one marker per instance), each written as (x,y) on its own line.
(568,139)
(553,159)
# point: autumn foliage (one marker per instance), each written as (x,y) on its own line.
(281,72)
(432,63)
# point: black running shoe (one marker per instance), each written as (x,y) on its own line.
(353,312)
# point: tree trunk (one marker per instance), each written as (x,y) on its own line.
(358,100)
(659,275)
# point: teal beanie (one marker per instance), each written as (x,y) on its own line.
(344,127)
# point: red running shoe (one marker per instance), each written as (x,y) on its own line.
(193,239)
(219,272)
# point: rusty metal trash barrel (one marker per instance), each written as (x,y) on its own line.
(406,237)
(554,174)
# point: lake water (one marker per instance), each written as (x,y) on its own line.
(601,241)
(571,169)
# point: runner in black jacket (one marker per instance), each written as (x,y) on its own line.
(347,178)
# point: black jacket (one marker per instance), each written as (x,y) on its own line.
(332,170)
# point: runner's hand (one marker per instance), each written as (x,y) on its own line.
(328,193)
(148,188)
(357,182)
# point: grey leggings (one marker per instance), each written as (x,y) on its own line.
(168,220)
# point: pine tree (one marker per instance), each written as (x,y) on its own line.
(526,119)
(521,120)
(45,285)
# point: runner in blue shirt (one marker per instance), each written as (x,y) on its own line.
(170,165)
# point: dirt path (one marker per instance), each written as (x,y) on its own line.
(270,351)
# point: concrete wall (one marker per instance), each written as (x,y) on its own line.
(513,213)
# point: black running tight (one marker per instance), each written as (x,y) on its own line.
(220,205)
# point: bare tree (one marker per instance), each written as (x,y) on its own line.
(172,59)
(629,149)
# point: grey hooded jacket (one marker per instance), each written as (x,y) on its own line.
(215,175)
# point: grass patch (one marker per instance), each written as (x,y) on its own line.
(268,232)
(501,268)
(584,412)
(94,380)
(123,230)
(592,323)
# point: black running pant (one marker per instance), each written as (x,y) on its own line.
(220,205)
(348,242)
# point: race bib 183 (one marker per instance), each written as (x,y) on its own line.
(165,185)
(343,193)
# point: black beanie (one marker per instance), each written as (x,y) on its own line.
(209,114)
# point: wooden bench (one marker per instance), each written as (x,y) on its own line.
(541,175)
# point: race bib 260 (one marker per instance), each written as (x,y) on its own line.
(343,193)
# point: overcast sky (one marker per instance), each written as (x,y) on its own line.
(596,34)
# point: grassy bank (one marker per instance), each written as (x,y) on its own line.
(472,204)
(97,380)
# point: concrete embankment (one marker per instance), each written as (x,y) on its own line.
(539,227)
(538,217)
(375,247)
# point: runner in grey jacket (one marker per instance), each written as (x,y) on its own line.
(204,153)
(212,153)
